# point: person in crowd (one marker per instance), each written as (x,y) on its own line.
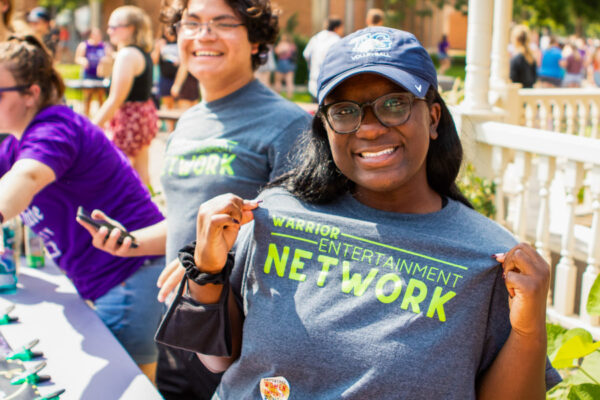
(349,266)
(443,56)
(88,54)
(129,111)
(235,140)
(39,20)
(550,72)
(375,17)
(264,73)
(545,39)
(595,66)
(573,63)
(63,51)
(523,67)
(166,56)
(57,161)
(185,89)
(286,52)
(316,49)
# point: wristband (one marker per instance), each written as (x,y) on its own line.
(186,257)
(1,217)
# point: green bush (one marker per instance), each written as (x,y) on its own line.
(479,191)
(577,357)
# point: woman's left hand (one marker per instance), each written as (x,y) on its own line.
(527,278)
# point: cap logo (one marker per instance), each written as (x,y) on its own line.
(418,87)
(371,44)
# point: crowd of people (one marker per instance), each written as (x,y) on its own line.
(285,258)
(550,62)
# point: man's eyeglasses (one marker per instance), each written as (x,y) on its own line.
(392,109)
(189,28)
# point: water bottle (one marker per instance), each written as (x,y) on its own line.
(9,260)
(34,249)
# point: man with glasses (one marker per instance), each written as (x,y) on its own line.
(235,140)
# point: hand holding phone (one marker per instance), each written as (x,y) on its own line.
(84,216)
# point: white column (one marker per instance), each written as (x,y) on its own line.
(479,38)
(349,17)
(320,11)
(566,272)
(96,13)
(500,59)
(593,267)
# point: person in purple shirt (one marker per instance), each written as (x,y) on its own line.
(8,147)
(63,161)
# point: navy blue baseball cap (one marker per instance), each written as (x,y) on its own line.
(394,54)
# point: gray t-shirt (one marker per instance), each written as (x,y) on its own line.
(233,144)
(345,301)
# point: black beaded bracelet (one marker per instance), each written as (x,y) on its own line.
(186,257)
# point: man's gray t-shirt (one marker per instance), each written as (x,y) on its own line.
(233,144)
(345,301)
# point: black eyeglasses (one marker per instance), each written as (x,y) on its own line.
(17,88)
(392,109)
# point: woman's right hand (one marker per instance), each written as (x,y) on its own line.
(217,226)
(105,240)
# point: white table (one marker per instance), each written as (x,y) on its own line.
(82,354)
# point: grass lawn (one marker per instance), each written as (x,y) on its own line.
(300,97)
(70,71)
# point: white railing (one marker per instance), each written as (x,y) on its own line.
(572,111)
(539,175)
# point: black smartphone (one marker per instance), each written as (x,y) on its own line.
(84,216)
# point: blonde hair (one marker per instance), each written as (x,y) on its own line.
(136,17)
(520,39)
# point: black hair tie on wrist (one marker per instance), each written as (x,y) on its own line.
(186,258)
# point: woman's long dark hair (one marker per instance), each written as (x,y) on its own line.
(317,179)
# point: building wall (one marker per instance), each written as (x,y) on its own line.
(303,11)
(428,29)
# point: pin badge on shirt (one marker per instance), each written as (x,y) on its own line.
(274,388)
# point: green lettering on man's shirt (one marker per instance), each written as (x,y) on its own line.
(199,164)
(212,163)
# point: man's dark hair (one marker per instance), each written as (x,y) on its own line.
(260,20)
(333,23)
(317,179)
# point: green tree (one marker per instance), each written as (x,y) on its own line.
(571,16)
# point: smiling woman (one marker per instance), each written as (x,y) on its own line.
(400,297)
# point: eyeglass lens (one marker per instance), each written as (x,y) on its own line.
(391,110)
(191,28)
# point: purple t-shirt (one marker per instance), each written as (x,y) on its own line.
(8,152)
(92,173)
